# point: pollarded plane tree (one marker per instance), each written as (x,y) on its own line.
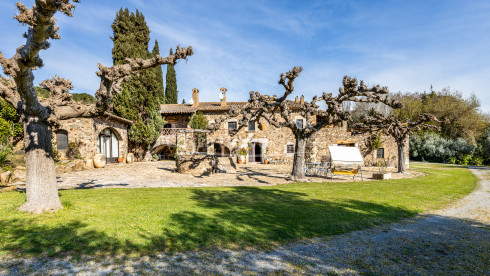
(278,112)
(39,118)
(398,129)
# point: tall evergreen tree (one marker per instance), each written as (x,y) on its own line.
(158,75)
(171,96)
(140,97)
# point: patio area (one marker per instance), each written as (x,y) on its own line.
(161,174)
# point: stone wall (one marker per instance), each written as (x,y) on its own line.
(85,131)
(274,142)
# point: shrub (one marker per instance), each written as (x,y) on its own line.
(477,161)
(452,160)
(73,150)
(5,152)
(464,159)
(56,153)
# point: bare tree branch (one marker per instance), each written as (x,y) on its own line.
(399,130)
(278,112)
(111,78)
(9,92)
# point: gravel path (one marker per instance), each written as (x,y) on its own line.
(160,174)
(453,241)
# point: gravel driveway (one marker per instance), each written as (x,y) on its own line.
(453,241)
(160,174)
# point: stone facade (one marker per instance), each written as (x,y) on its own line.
(86,131)
(267,142)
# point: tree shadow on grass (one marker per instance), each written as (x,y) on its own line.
(26,238)
(240,217)
(237,217)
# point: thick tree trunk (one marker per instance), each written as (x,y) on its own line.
(41,188)
(401,158)
(298,173)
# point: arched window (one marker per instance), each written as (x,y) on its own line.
(61,139)
(108,144)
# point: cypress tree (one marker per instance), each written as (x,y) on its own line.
(139,100)
(171,85)
(158,75)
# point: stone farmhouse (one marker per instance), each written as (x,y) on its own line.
(264,141)
(108,134)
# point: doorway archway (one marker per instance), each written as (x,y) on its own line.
(255,152)
(108,144)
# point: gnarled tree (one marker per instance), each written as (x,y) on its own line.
(398,129)
(37,118)
(279,112)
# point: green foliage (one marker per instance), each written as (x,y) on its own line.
(142,94)
(158,75)
(10,127)
(84,98)
(477,161)
(171,92)
(42,93)
(73,150)
(5,152)
(433,147)
(155,156)
(374,141)
(174,219)
(144,134)
(56,153)
(465,120)
(198,121)
(464,159)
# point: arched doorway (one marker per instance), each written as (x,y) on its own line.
(164,152)
(108,144)
(221,150)
(255,152)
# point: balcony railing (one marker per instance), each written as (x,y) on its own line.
(173,131)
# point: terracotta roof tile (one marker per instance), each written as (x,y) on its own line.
(204,106)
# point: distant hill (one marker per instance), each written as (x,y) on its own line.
(78,97)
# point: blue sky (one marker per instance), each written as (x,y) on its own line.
(245,45)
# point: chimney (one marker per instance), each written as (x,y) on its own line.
(302,99)
(223,98)
(195,97)
(296,100)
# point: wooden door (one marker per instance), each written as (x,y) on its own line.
(251,153)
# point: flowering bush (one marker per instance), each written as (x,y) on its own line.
(243,151)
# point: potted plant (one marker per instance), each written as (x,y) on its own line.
(120,159)
(155,157)
(266,161)
(382,174)
(242,155)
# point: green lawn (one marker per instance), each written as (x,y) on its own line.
(114,221)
